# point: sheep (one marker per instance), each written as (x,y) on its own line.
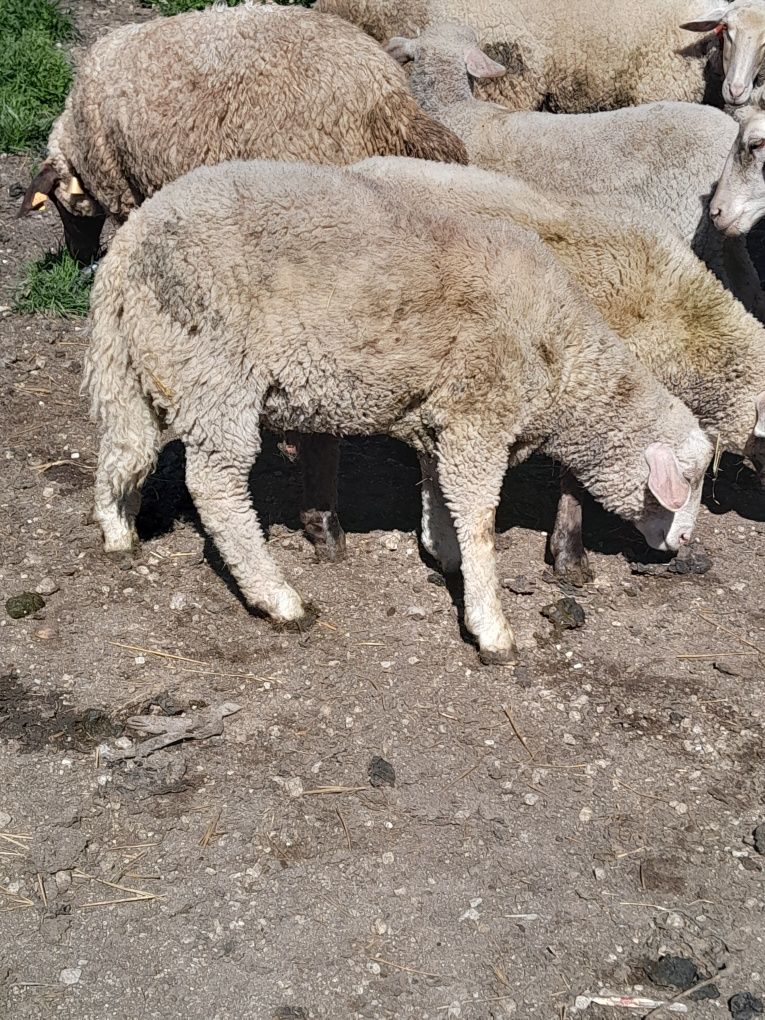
(152,101)
(741,26)
(567,57)
(739,199)
(654,294)
(660,160)
(335,308)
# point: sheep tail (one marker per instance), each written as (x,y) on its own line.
(117,398)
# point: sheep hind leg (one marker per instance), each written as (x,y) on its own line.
(218,483)
(319,456)
(127,455)
(471,471)
(438,535)
(566,545)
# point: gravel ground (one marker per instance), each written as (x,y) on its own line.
(560,829)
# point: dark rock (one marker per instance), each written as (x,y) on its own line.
(290,1013)
(565,586)
(679,972)
(565,614)
(759,838)
(381,772)
(519,585)
(745,1006)
(16,190)
(436,579)
(692,559)
(25,604)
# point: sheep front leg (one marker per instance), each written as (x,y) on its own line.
(217,481)
(438,534)
(471,469)
(566,545)
(319,456)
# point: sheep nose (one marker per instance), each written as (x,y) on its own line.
(736,89)
(715,211)
(685,538)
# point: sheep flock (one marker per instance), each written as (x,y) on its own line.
(484,229)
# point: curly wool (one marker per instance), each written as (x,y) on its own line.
(152,101)
(693,335)
(562,56)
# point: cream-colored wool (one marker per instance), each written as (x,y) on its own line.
(335,307)
(659,161)
(692,334)
(152,101)
(567,57)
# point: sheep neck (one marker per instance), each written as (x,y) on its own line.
(439,82)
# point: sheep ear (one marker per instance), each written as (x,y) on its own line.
(665,477)
(759,425)
(401,49)
(38,191)
(481,66)
(707,24)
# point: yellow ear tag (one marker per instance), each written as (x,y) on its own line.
(39,201)
(75,188)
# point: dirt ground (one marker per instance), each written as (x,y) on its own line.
(554,830)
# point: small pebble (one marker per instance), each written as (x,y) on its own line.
(519,585)
(416,613)
(585,815)
(5,819)
(759,838)
(294,787)
(389,542)
(47,586)
(123,743)
(70,975)
(530,799)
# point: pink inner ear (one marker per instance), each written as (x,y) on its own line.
(481,66)
(665,477)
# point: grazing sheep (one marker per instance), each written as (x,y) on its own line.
(741,26)
(567,57)
(671,312)
(335,308)
(660,160)
(152,101)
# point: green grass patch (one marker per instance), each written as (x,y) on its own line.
(179,6)
(54,284)
(35,75)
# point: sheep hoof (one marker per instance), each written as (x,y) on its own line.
(498,656)
(302,624)
(577,572)
(322,529)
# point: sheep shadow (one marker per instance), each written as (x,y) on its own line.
(379,490)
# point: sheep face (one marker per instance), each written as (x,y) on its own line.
(81,215)
(675,482)
(741,26)
(739,199)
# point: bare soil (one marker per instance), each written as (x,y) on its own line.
(554,830)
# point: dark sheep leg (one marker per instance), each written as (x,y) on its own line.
(566,545)
(319,456)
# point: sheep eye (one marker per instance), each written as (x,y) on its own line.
(757,143)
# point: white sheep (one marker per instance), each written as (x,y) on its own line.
(741,27)
(567,57)
(152,101)
(658,161)
(656,296)
(738,203)
(333,307)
